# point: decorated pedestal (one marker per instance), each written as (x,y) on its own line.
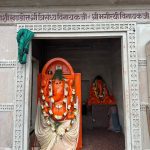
(58,115)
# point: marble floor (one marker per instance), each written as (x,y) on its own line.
(102,139)
(98,139)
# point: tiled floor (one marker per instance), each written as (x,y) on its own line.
(102,139)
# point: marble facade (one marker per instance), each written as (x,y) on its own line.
(134,28)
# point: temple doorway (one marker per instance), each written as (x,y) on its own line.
(90,57)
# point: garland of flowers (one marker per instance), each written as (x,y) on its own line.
(47,116)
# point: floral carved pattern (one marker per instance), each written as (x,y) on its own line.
(130,29)
(19,108)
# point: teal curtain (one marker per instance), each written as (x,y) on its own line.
(24,36)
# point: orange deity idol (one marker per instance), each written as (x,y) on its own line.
(99,93)
(58,106)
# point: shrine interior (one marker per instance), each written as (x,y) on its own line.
(90,57)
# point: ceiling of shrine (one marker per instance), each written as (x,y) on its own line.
(24,3)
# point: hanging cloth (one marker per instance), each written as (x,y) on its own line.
(24,37)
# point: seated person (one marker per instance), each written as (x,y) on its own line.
(99,93)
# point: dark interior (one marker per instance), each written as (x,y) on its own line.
(90,57)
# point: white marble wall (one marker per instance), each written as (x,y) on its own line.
(8,44)
(7,85)
(6,132)
(143,37)
(8,51)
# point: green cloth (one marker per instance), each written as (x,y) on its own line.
(24,37)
